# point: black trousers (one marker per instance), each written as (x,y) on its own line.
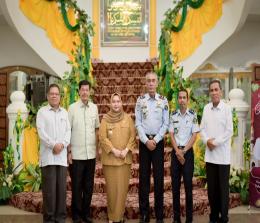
(82,176)
(146,158)
(177,170)
(218,191)
(54,193)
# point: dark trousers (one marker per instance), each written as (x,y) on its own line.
(218,191)
(177,170)
(146,158)
(82,176)
(54,193)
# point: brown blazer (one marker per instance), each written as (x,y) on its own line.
(118,135)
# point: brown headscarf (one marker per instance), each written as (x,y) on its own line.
(113,116)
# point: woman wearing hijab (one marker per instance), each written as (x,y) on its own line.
(117,140)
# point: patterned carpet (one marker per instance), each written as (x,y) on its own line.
(129,80)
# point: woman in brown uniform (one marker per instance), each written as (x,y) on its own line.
(117,140)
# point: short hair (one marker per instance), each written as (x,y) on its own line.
(183,90)
(153,73)
(84,82)
(215,81)
(52,86)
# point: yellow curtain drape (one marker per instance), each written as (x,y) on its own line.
(47,15)
(153,43)
(198,22)
(96,21)
(30,146)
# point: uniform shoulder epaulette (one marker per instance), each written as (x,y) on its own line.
(142,96)
(191,111)
(174,112)
(162,97)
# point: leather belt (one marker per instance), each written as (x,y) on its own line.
(181,147)
(150,136)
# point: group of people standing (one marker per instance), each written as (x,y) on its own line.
(71,137)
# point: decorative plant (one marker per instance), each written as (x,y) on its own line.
(238,183)
(81,62)
(246,152)
(9,183)
(170,75)
(18,128)
(199,163)
(30,176)
(235,123)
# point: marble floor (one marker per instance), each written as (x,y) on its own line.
(241,214)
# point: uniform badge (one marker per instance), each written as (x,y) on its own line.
(195,120)
(176,131)
(166,107)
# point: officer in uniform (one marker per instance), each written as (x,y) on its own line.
(183,131)
(152,120)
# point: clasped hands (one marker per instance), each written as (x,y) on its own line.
(151,144)
(120,153)
(180,155)
(58,147)
(210,143)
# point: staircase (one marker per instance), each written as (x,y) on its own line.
(129,80)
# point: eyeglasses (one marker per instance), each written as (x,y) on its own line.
(54,94)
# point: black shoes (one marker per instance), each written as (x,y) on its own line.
(144,219)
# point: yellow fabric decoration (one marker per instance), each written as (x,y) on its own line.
(96,21)
(153,44)
(30,146)
(47,15)
(198,22)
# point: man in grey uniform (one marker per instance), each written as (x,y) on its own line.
(183,131)
(152,119)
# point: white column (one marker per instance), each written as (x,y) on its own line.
(237,102)
(17,105)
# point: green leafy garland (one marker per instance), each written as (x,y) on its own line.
(235,122)
(170,75)
(81,63)
(18,129)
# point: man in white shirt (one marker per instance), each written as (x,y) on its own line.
(216,133)
(84,120)
(54,131)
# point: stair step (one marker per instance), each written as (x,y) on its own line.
(122,89)
(123,66)
(135,153)
(99,184)
(113,81)
(32,201)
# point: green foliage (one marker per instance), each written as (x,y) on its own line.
(239,183)
(31,178)
(81,62)
(235,123)
(199,163)
(31,119)
(246,151)
(170,75)
(9,183)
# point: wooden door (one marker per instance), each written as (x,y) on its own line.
(3,115)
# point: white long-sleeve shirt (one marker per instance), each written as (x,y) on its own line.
(217,123)
(53,127)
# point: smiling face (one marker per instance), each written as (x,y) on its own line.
(151,83)
(183,100)
(53,97)
(84,92)
(215,93)
(116,103)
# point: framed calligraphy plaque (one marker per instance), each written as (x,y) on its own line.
(124,22)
